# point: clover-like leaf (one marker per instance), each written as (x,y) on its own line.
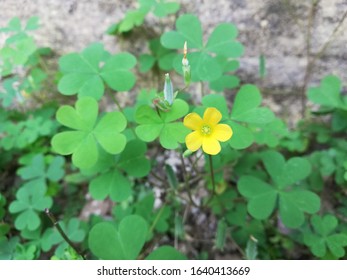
(161,8)
(270,134)
(37,169)
(83,142)
(244,227)
(328,93)
(52,237)
(285,173)
(123,243)
(132,19)
(166,253)
(23,133)
(29,201)
(292,202)
(245,110)
(324,237)
(8,247)
(152,125)
(111,183)
(246,106)
(111,180)
(262,196)
(204,62)
(84,76)
(10,91)
(161,56)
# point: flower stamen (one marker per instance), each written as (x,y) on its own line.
(206,129)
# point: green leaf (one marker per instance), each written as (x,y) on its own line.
(125,243)
(251,249)
(10,91)
(246,109)
(133,159)
(8,247)
(171,177)
(188,29)
(324,225)
(37,169)
(271,133)
(111,183)
(146,62)
(262,196)
(221,234)
(52,237)
(132,19)
(336,243)
(83,142)
(84,76)
(225,82)
(116,72)
(262,200)
(286,173)
(163,9)
(81,72)
(294,204)
(222,41)
(328,93)
(217,101)
(325,237)
(166,253)
(205,61)
(29,201)
(13,25)
(262,66)
(107,132)
(242,136)
(152,125)
(32,24)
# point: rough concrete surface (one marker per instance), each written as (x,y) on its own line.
(277,29)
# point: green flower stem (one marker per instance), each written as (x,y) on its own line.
(202,89)
(212,180)
(186,182)
(212,175)
(62,233)
(195,162)
(157,218)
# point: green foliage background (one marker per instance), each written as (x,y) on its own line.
(276,193)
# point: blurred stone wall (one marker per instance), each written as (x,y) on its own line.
(277,29)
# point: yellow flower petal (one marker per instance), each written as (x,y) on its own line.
(194,141)
(210,145)
(212,116)
(222,132)
(193,121)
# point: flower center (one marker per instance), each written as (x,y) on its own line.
(206,129)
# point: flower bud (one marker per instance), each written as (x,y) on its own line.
(187,153)
(168,90)
(185,65)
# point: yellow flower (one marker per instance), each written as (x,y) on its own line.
(207,132)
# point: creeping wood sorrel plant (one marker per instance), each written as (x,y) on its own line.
(196,168)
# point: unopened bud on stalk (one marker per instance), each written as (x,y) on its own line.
(168,89)
(187,153)
(185,65)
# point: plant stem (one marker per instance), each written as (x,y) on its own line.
(212,175)
(62,233)
(157,218)
(202,89)
(186,182)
